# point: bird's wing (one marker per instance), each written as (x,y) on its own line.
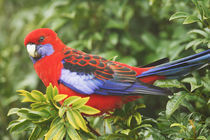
(89,74)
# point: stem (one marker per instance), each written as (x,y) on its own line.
(91,128)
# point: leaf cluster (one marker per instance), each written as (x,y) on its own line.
(46,118)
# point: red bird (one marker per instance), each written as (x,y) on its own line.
(109,84)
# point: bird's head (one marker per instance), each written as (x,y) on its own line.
(42,42)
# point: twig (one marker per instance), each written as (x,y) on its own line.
(91,129)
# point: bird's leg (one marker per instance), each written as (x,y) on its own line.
(91,129)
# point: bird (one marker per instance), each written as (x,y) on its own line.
(108,84)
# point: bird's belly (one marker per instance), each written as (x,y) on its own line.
(104,103)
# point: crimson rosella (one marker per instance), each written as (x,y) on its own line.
(109,84)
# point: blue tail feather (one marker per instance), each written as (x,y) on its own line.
(180,67)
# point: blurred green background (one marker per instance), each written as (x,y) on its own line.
(137,32)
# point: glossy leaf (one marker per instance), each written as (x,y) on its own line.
(79,103)
(194,43)
(73,133)
(20,126)
(88,110)
(61,112)
(169,83)
(59,97)
(71,100)
(178,15)
(35,133)
(55,91)
(12,111)
(193,83)
(178,125)
(53,131)
(200,32)
(71,119)
(38,95)
(79,120)
(60,134)
(38,106)
(49,92)
(191,19)
(174,103)
(138,118)
(27,96)
(129,120)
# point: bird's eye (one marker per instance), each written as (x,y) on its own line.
(41,39)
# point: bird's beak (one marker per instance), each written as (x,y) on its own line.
(32,50)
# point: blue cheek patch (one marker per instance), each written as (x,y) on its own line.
(43,50)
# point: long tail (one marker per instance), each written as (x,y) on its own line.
(181,67)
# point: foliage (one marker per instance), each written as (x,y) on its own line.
(138,32)
(47,119)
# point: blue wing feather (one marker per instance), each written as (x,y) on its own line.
(89,84)
(82,83)
(181,67)
(107,78)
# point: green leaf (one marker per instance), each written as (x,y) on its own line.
(23,112)
(61,111)
(34,115)
(55,121)
(138,118)
(35,133)
(208,101)
(188,105)
(39,106)
(79,103)
(178,15)
(27,95)
(79,120)
(129,120)
(193,83)
(139,106)
(60,97)
(13,123)
(118,136)
(49,92)
(194,43)
(169,83)
(22,91)
(200,32)
(173,104)
(12,111)
(191,19)
(60,134)
(53,131)
(201,138)
(125,131)
(178,125)
(145,125)
(198,6)
(37,95)
(71,119)
(73,133)
(20,126)
(71,100)
(55,91)
(88,110)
